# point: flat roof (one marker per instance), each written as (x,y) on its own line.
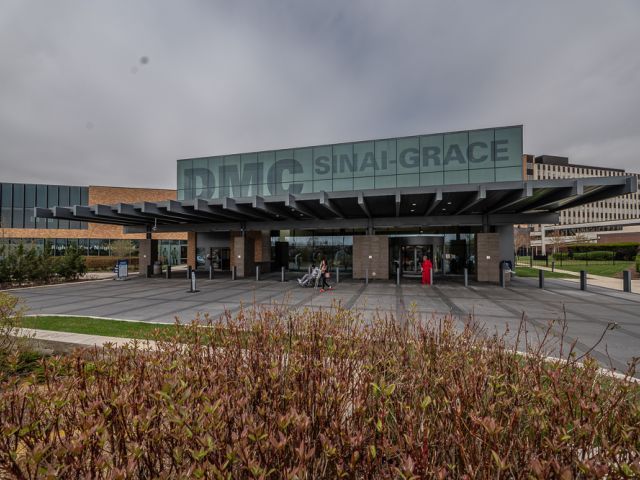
(532,201)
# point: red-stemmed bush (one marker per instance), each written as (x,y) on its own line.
(277,393)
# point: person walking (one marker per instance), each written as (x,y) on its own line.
(426,270)
(324,273)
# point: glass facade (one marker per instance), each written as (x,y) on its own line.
(307,248)
(17,201)
(475,156)
(103,247)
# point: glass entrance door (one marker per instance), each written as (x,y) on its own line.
(411,257)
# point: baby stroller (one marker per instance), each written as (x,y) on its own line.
(310,279)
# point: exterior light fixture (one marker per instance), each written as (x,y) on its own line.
(413,204)
(370,257)
(443,209)
(448,203)
(412,210)
(239,256)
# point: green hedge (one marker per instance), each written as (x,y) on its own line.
(622,251)
(21,264)
(596,255)
(638,263)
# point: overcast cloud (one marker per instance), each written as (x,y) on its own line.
(79,105)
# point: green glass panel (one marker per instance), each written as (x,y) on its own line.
(307,185)
(304,157)
(322,186)
(284,172)
(268,161)
(480,151)
(230,176)
(342,184)
(200,177)
(363,183)
(508,147)
(388,181)
(343,166)
(508,174)
(483,175)
(184,172)
(216,170)
(431,178)
(364,159)
(455,152)
(431,153)
(412,180)
(385,157)
(322,163)
(408,155)
(456,177)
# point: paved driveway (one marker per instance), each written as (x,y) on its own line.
(160,300)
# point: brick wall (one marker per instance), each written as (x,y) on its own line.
(488,245)
(378,247)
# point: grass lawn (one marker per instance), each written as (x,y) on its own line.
(605,269)
(533,272)
(94,326)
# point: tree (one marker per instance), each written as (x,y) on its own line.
(557,240)
(521,239)
(122,248)
(71,265)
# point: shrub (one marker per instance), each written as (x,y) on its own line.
(594,255)
(71,265)
(95,263)
(638,263)
(622,251)
(275,393)
(11,312)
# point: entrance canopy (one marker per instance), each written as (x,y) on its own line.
(497,203)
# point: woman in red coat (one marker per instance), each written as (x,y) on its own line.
(426,271)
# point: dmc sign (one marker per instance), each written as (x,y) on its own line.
(268,173)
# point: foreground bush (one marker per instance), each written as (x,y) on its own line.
(276,394)
(595,255)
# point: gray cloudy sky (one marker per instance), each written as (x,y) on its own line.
(78,106)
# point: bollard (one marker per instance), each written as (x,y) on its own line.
(626,281)
(233,273)
(366,276)
(282,275)
(167,272)
(337,275)
(431,274)
(189,270)
(501,276)
(553,266)
(210,272)
(193,287)
(257,273)
(398,277)
(540,278)
(466,277)
(583,279)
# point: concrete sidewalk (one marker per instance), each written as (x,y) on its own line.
(595,280)
(77,339)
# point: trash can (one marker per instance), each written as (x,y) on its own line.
(157,268)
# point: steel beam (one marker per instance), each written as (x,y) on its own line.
(329,204)
(476,198)
(437,200)
(363,205)
(292,203)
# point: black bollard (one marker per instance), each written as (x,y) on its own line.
(233,273)
(337,275)
(211,272)
(282,275)
(168,272)
(466,277)
(540,278)
(398,277)
(366,276)
(583,279)
(626,281)
(257,273)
